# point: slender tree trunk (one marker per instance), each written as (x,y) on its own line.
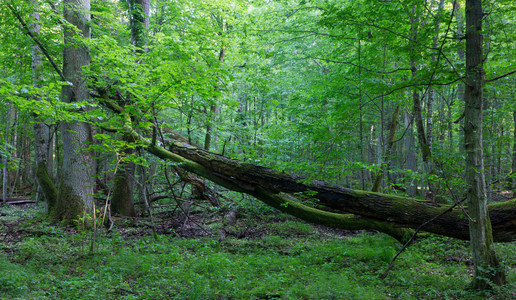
(460,52)
(42,133)
(487,268)
(514,157)
(139,22)
(13,178)
(426,152)
(5,160)
(361,112)
(430,112)
(213,109)
(393,126)
(75,195)
(123,189)
(410,154)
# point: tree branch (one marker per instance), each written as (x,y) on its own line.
(501,76)
(41,47)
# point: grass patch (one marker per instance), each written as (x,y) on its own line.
(292,261)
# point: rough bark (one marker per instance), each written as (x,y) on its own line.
(389,208)
(75,195)
(487,268)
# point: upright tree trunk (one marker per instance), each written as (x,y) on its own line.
(42,133)
(410,154)
(431,97)
(514,158)
(139,10)
(426,152)
(393,126)
(75,195)
(361,116)
(460,52)
(213,109)
(487,268)
(5,159)
(122,200)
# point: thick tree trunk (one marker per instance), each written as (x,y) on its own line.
(487,268)
(75,194)
(400,210)
(199,188)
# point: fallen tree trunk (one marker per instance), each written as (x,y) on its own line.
(17,201)
(265,184)
(382,207)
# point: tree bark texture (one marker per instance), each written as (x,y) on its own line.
(75,195)
(487,268)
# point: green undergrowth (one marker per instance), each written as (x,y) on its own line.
(292,261)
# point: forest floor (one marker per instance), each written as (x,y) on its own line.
(262,256)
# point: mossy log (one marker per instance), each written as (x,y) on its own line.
(377,206)
(265,184)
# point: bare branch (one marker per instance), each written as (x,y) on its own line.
(500,77)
